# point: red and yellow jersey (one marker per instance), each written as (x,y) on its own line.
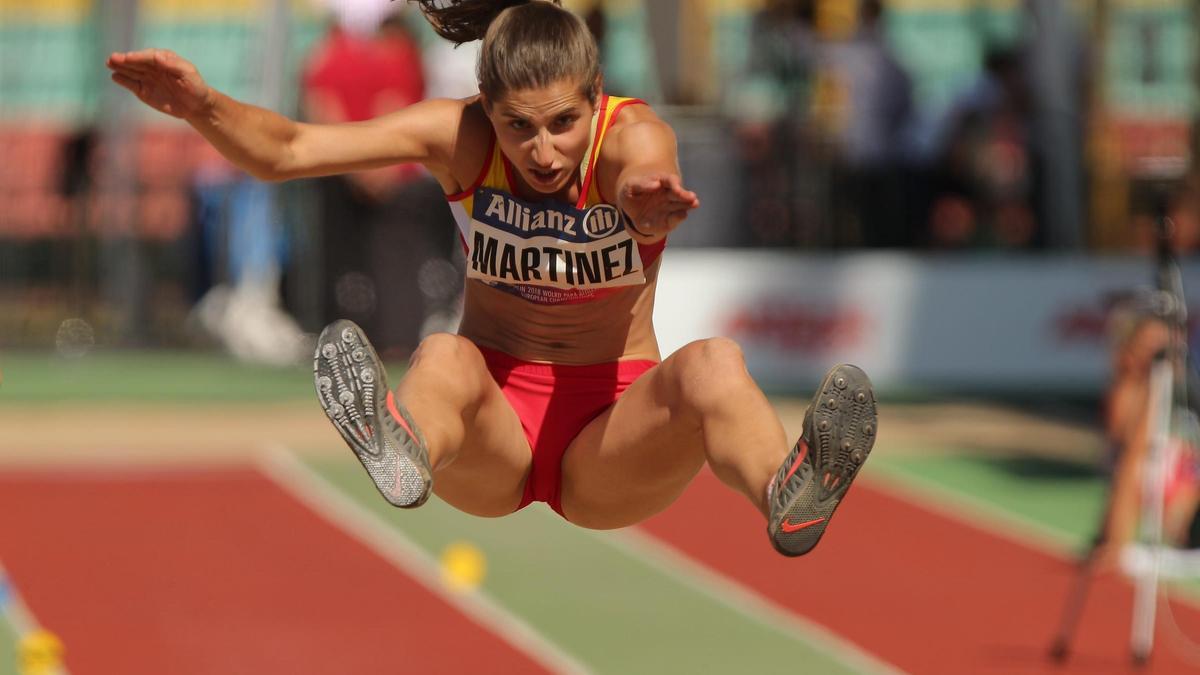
(550,252)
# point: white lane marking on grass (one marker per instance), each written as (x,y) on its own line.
(16,612)
(310,488)
(743,599)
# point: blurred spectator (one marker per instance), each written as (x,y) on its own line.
(870,132)
(768,106)
(243,251)
(597,21)
(1180,202)
(982,178)
(386,234)
(822,122)
(1140,335)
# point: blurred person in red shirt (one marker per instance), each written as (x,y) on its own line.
(387,227)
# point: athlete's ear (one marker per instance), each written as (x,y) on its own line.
(486,103)
(597,88)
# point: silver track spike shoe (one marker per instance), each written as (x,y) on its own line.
(839,430)
(352,388)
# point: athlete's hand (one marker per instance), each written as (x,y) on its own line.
(656,204)
(162,80)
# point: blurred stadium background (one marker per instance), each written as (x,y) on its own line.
(986,173)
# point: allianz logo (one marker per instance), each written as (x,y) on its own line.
(601,220)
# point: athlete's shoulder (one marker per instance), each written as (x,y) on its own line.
(629,111)
(634,128)
(465,140)
(474,129)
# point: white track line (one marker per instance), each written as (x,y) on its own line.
(989,518)
(744,600)
(282,466)
(17,614)
(978,514)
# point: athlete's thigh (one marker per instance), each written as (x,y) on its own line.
(488,476)
(481,455)
(634,459)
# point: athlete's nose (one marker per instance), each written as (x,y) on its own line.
(543,149)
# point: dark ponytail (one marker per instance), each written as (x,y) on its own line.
(461,21)
(526,43)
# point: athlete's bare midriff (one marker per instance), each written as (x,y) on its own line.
(612,327)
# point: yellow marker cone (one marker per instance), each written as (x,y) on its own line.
(463,567)
(40,653)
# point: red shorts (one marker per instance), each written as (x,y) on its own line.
(554,403)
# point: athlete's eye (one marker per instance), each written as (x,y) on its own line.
(518,125)
(565,121)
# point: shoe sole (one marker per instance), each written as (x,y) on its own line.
(352,388)
(841,425)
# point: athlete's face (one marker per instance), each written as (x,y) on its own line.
(544,133)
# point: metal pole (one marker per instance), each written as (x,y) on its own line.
(1145,597)
(122,272)
(275,34)
(1168,385)
(1055,55)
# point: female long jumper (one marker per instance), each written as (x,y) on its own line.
(553,390)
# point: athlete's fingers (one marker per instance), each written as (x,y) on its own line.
(144,72)
(117,59)
(675,183)
(688,200)
(150,61)
(644,186)
(127,82)
(669,187)
(130,73)
(663,196)
(145,77)
(141,70)
(148,56)
(678,192)
(666,193)
(142,57)
(687,197)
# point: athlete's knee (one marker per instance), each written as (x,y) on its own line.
(713,357)
(453,355)
(447,349)
(706,371)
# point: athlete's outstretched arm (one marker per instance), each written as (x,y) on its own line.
(649,188)
(271,146)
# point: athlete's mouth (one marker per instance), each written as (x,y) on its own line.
(549,177)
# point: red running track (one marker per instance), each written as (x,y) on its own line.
(928,593)
(217,572)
